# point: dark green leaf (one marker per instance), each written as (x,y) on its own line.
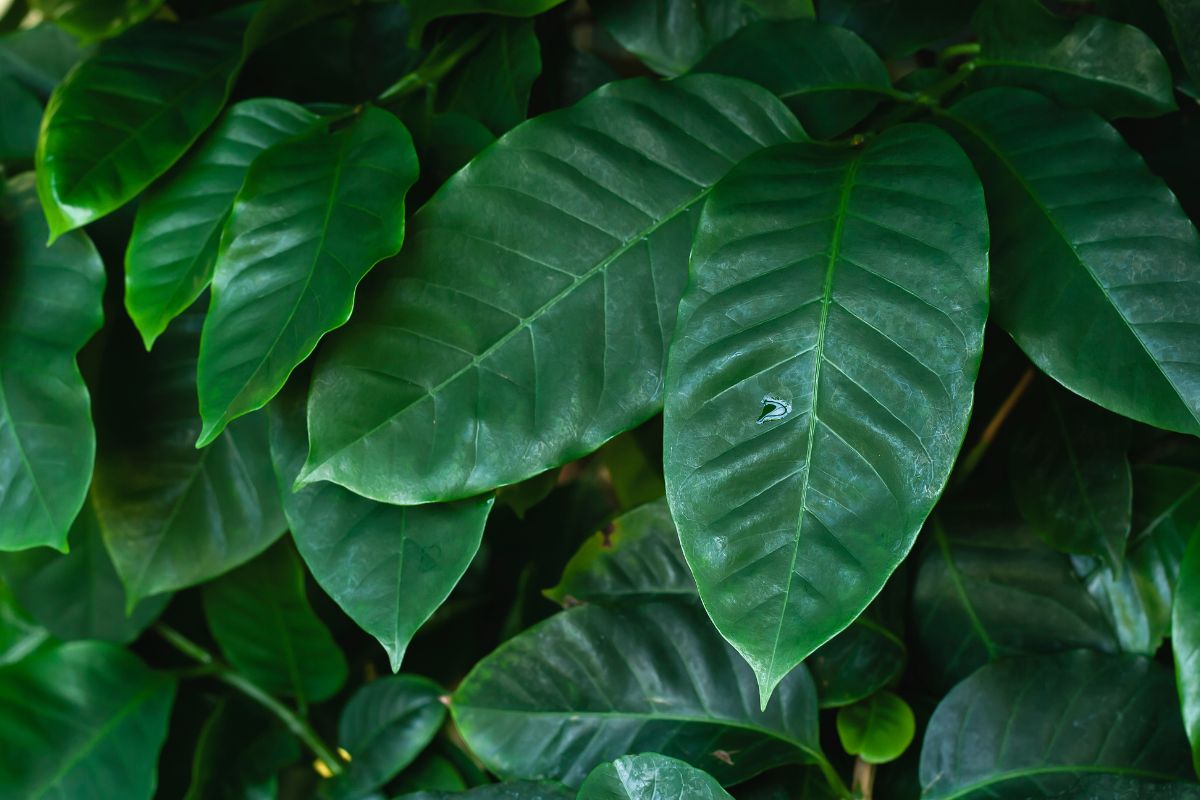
(828,76)
(313,216)
(513,790)
(898,27)
(19,124)
(20,634)
(173,247)
(493,84)
(821,379)
(1084,62)
(239,751)
(50,305)
(1184,18)
(650,777)
(1072,479)
(983,584)
(384,727)
(878,729)
(96,19)
(790,783)
(565,246)
(783,9)
(595,682)
(1185,643)
(38,57)
(866,656)
(521,497)
(1096,269)
(425,11)
(83,719)
(1039,724)
(1109,787)
(388,567)
(78,595)
(260,615)
(671,36)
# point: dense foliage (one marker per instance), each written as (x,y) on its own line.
(742,399)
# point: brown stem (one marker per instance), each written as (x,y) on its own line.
(976,453)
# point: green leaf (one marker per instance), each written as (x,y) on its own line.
(511,790)
(425,11)
(1185,644)
(1072,478)
(565,245)
(983,584)
(50,305)
(868,655)
(877,730)
(78,595)
(1166,515)
(789,783)
(314,215)
(1097,270)
(634,468)
(20,634)
(897,28)
(128,112)
(19,125)
(1109,787)
(39,57)
(650,777)
(388,567)
(96,19)
(173,247)
(1084,62)
(174,516)
(783,9)
(1039,724)
(820,380)
(492,85)
(384,727)
(260,616)
(596,682)
(238,753)
(1183,16)
(671,36)
(83,719)
(830,78)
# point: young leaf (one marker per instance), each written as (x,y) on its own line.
(238,753)
(388,567)
(877,730)
(595,682)
(565,246)
(1185,643)
(314,215)
(1039,724)
(96,19)
(78,595)
(650,777)
(982,582)
(494,82)
(1097,270)
(1085,62)
(129,112)
(83,719)
(820,380)
(897,29)
(671,36)
(50,305)
(828,76)
(260,615)
(384,727)
(173,247)
(1072,479)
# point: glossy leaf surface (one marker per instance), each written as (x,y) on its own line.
(1096,269)
(173,247)
(493,84)
(96,19)
(828,76)
(1185,644)
(671,36)
(650,777)
(111,714)
(50,306)
(260,615)
(20,634)
(594,682)
(877,730)
(1040,724)
(565,245)
(821,379)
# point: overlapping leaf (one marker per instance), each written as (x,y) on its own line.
(650,777)
(493,84)
(96,19)
(670,36)
(897,29)
(1185,643)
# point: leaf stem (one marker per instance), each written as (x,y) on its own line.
(444,57)
(976,454)
(230,677)
(864,778)
(969,49)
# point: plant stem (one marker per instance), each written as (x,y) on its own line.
(975,455)
(443,58)
(969,49)
(864,778)
(230,677)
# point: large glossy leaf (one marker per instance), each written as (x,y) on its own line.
(982,582)
(77,595)
(511,790)
(650,777)
(596,682)
(384,727)
(313,216)
(820,380)
(173,247)
(1040,724)
(671,36)
(83,719)
(1072,478)
(388,567)
(1138,599)
(238,752)
(96,19)
(493,84)
(1085,62)
(260,615)
(1097,270)
(898,27)
(50,305)
(1185,644)
(565,246)
(827,75)
(174,516)
(128,112)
